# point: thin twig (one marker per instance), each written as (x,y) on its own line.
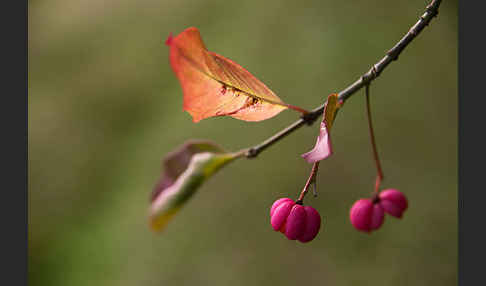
(311,180)
(431,11)
(379,170)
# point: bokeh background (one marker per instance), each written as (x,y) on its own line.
(105,107)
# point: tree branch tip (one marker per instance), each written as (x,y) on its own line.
(309,117)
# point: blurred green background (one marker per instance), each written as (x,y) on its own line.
(105,107)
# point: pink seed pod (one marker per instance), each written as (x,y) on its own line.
(378,217)
(393,202)
(312,226)
(280,214)
(295,221)
(366,216)
(277,203)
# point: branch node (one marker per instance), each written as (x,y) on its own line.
(434,11)
(375,71)
(370,75)
(251,153)
(413,31)
(310,117)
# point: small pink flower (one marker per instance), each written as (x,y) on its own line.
(366,215)
(295,221)
(393,202)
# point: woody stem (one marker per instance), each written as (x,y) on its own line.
(373,73)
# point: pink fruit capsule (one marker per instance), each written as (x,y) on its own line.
(280,214)
(277,203)
(377,217)
(393,202)
(295,223)
(366,216)
(312,225)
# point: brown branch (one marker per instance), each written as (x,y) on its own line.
(430,12)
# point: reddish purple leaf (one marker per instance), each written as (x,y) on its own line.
(323,147)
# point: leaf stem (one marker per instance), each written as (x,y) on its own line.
(309,118)
(296,108)
(379,170)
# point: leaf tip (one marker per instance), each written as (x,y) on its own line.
(168,42)
(158,224)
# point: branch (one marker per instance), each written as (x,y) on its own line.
(430,12)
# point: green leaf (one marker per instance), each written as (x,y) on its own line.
(185,170)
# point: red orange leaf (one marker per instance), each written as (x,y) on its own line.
(216,86)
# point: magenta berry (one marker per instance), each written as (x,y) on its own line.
(280,214)
(277,203)
(378,216)
(393,202)
(312,226)
(295,221)
(366,215)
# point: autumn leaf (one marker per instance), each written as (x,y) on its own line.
(185,170)
(323,147)
(216,86)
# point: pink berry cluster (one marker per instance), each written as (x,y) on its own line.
(369,214)
(295,221)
